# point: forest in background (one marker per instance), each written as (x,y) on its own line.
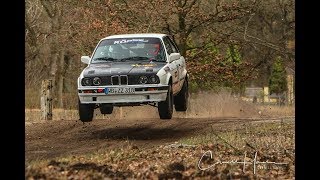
(226,43)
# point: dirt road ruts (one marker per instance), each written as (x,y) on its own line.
(44,140)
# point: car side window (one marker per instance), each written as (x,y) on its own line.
(168,45)
(173,45)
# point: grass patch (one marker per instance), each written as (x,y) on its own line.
(276,135)
(276,110)
(222,104)
(32,100)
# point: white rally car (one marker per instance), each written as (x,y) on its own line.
(130,70)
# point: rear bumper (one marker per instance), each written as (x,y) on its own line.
(142,94)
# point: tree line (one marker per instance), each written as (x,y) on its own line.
(227,43)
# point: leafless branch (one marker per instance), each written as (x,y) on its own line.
(260,41)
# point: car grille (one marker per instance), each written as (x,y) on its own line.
(119,80)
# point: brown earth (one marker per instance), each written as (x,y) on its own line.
(45,140)
(139,126)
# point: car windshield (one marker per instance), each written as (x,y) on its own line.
(129,49)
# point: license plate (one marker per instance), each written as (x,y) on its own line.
(121,90)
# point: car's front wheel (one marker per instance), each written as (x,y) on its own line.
(86,111)
(165,108)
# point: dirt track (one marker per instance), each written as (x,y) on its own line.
(65,137)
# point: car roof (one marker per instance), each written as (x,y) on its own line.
(145,35)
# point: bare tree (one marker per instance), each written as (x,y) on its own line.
(59,32)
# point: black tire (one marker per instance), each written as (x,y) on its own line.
(106,108)
(181,99)
(165,108)
(86,112)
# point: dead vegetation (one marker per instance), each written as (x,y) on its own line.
(273,142)
(220,123)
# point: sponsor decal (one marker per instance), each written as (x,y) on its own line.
(144,65)
(127,41)
(171,67)
(102,65)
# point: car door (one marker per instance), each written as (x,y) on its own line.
(174,66)
(181,65)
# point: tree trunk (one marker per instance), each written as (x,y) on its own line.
(46,100)
(60,78)
(55,14)
(182,35)
(53,72)
(183,44)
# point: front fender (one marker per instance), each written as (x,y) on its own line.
(79,79)
(164,75)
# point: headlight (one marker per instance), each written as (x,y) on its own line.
(154,79)
(86,82)
(143,80)
(96,81)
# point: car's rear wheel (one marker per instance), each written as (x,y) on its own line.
(165,108)
(181,99)
(86,111)
(106,108)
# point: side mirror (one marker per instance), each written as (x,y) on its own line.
(85,59)
(174,56)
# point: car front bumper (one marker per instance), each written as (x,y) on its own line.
(142,94)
